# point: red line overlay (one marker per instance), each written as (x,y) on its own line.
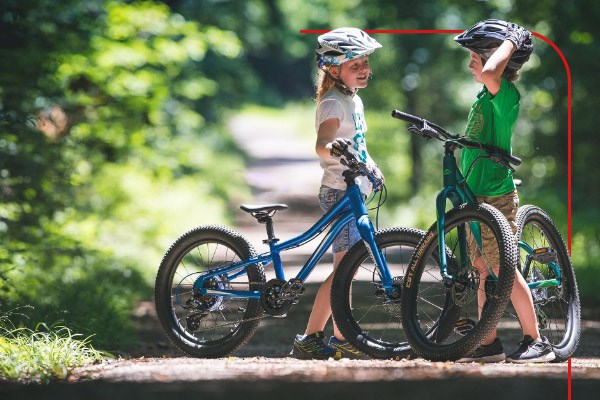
(569,121)
(569,132)
(393,31)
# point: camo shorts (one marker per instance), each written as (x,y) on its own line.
(507,204)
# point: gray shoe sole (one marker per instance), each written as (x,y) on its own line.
(545,358)
(484,360)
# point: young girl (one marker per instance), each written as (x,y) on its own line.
(342,58)
(498,49)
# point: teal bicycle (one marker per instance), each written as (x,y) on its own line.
(440,308)
(441,312)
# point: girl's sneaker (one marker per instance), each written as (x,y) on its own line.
(532,351)
(313,347)
(486,354)
(346,349)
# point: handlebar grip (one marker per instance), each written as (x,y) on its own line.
(516,161)
(407,117)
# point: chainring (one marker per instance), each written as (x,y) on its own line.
(274,300)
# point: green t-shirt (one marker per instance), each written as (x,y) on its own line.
(491,121)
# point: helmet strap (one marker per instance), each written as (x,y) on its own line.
(344,89)
(340,85)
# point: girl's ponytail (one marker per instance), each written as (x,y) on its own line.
(324,82)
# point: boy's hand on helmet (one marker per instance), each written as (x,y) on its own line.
(517,34)
(338,146)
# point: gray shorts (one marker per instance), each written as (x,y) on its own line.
(349,233)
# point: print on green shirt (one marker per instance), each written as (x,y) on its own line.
(491,121)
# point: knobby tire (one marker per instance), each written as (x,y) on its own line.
(433,312)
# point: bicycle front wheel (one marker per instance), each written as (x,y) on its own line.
(367,316)
(446,320)
(208,325)
(543,257)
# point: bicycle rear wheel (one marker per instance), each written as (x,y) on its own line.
(207,325)
(366,315)
(445,321)
(557,307)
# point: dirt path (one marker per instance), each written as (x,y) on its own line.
(283,169)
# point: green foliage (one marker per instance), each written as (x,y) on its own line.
(39,356)
(109,150)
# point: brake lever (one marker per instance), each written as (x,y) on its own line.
(415,129)
(499,160)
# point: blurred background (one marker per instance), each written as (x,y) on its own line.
(115,131)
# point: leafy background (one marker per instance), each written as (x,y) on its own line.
(114,140)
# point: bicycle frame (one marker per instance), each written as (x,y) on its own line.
(338,213)
(458,192)
(531,252)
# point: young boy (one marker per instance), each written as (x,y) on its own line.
(498,49)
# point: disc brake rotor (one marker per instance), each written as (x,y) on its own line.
(465,292)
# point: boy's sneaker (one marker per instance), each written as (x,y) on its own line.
(346,350)
(486,354)
(532,351)
(313,347)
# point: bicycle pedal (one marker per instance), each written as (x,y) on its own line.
(544,255)
(464,326)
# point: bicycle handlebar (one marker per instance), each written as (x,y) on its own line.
(429,130)
(357,167)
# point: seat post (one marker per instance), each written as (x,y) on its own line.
(264,215)
(267,219)
(270,232)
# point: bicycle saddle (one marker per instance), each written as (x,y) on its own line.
(266,208)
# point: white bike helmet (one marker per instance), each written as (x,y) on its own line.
(344,44)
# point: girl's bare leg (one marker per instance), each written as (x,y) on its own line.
(321,311)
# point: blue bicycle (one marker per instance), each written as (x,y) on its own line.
(211,291)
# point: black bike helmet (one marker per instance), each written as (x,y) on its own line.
(486,36)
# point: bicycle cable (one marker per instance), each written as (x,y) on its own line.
(383,193)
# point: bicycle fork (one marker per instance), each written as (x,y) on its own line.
(367,233)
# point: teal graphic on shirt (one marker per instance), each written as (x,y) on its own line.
(360,142)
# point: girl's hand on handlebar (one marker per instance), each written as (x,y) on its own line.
(339,146)
(377,175)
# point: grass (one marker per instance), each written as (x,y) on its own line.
(36,356)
